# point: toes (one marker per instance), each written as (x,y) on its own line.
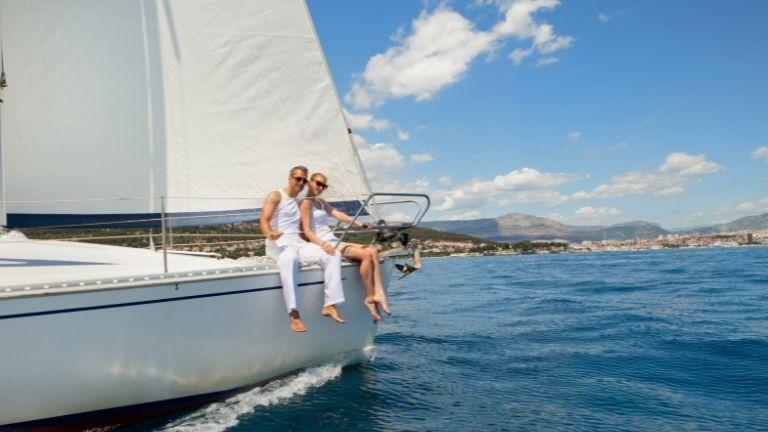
(373,308)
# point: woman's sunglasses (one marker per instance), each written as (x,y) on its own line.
(321,184)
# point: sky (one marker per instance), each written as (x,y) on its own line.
(589,111)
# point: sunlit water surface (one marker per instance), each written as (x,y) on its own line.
(654,340)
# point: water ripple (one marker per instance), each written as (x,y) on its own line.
(660,340)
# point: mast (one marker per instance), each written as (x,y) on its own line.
(3,211)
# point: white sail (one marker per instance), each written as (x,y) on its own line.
(208,106)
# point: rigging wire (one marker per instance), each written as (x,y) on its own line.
(3,81)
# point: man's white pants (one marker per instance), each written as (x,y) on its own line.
(289,252)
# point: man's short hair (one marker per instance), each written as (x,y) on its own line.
(299,168)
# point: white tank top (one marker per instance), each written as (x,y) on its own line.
(320,222)
(287,218)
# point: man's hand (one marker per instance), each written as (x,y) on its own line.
(274,235)
(329,249)
(365,226)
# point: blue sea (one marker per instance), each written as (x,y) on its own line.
(663,340)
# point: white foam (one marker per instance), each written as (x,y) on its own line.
(224,415)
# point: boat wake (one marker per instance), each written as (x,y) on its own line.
(223,415)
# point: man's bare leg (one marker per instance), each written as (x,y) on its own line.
(331,311)
(295,320)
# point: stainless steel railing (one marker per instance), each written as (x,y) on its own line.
(177,225)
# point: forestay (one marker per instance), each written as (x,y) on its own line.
(207,106)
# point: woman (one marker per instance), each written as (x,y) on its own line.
(314,226)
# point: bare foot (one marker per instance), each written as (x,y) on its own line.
(331,311)
(296,324)
(373,308)
(382,301)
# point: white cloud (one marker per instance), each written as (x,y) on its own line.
(467,196)
(532,179)
(745,208)
(363,121)
(678,171)
(693,218)
(588,215)
(381,156)
(754,206)
(472,214)
(519,54)
(574,136)
(551,198)
(383,183)
(546,61)
(526,185)
(588,211)
(396,216)
(420,158)
(441,47)
(445,180)
(761,153)
(378,157)
(403,135)
(435,55)
(519,23)
(684,164)
(604,17)
(619,146)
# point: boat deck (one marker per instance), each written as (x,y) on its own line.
(29,266)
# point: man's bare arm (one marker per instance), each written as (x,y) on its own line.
(267,212)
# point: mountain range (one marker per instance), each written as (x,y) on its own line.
(758,222)
(518,227)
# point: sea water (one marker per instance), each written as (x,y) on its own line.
(651,340)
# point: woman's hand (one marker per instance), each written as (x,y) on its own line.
(274,235)
(328,248)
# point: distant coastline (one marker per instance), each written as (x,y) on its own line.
(570,251)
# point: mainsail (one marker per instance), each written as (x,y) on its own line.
(116,108)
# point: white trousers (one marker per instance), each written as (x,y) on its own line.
(289,252)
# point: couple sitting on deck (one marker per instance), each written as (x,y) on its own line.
(296,230)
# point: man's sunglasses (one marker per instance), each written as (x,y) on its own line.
(300,179)
(321,184)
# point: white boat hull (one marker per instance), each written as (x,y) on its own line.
(86,351)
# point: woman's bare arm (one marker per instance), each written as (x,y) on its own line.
(306,227)
(340,215)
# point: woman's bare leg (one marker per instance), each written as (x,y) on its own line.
(367,275)
(379,296)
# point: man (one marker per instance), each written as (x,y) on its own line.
(280,222)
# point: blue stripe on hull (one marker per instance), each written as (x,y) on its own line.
(146,302)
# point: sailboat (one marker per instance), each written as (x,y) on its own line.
(159,114)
